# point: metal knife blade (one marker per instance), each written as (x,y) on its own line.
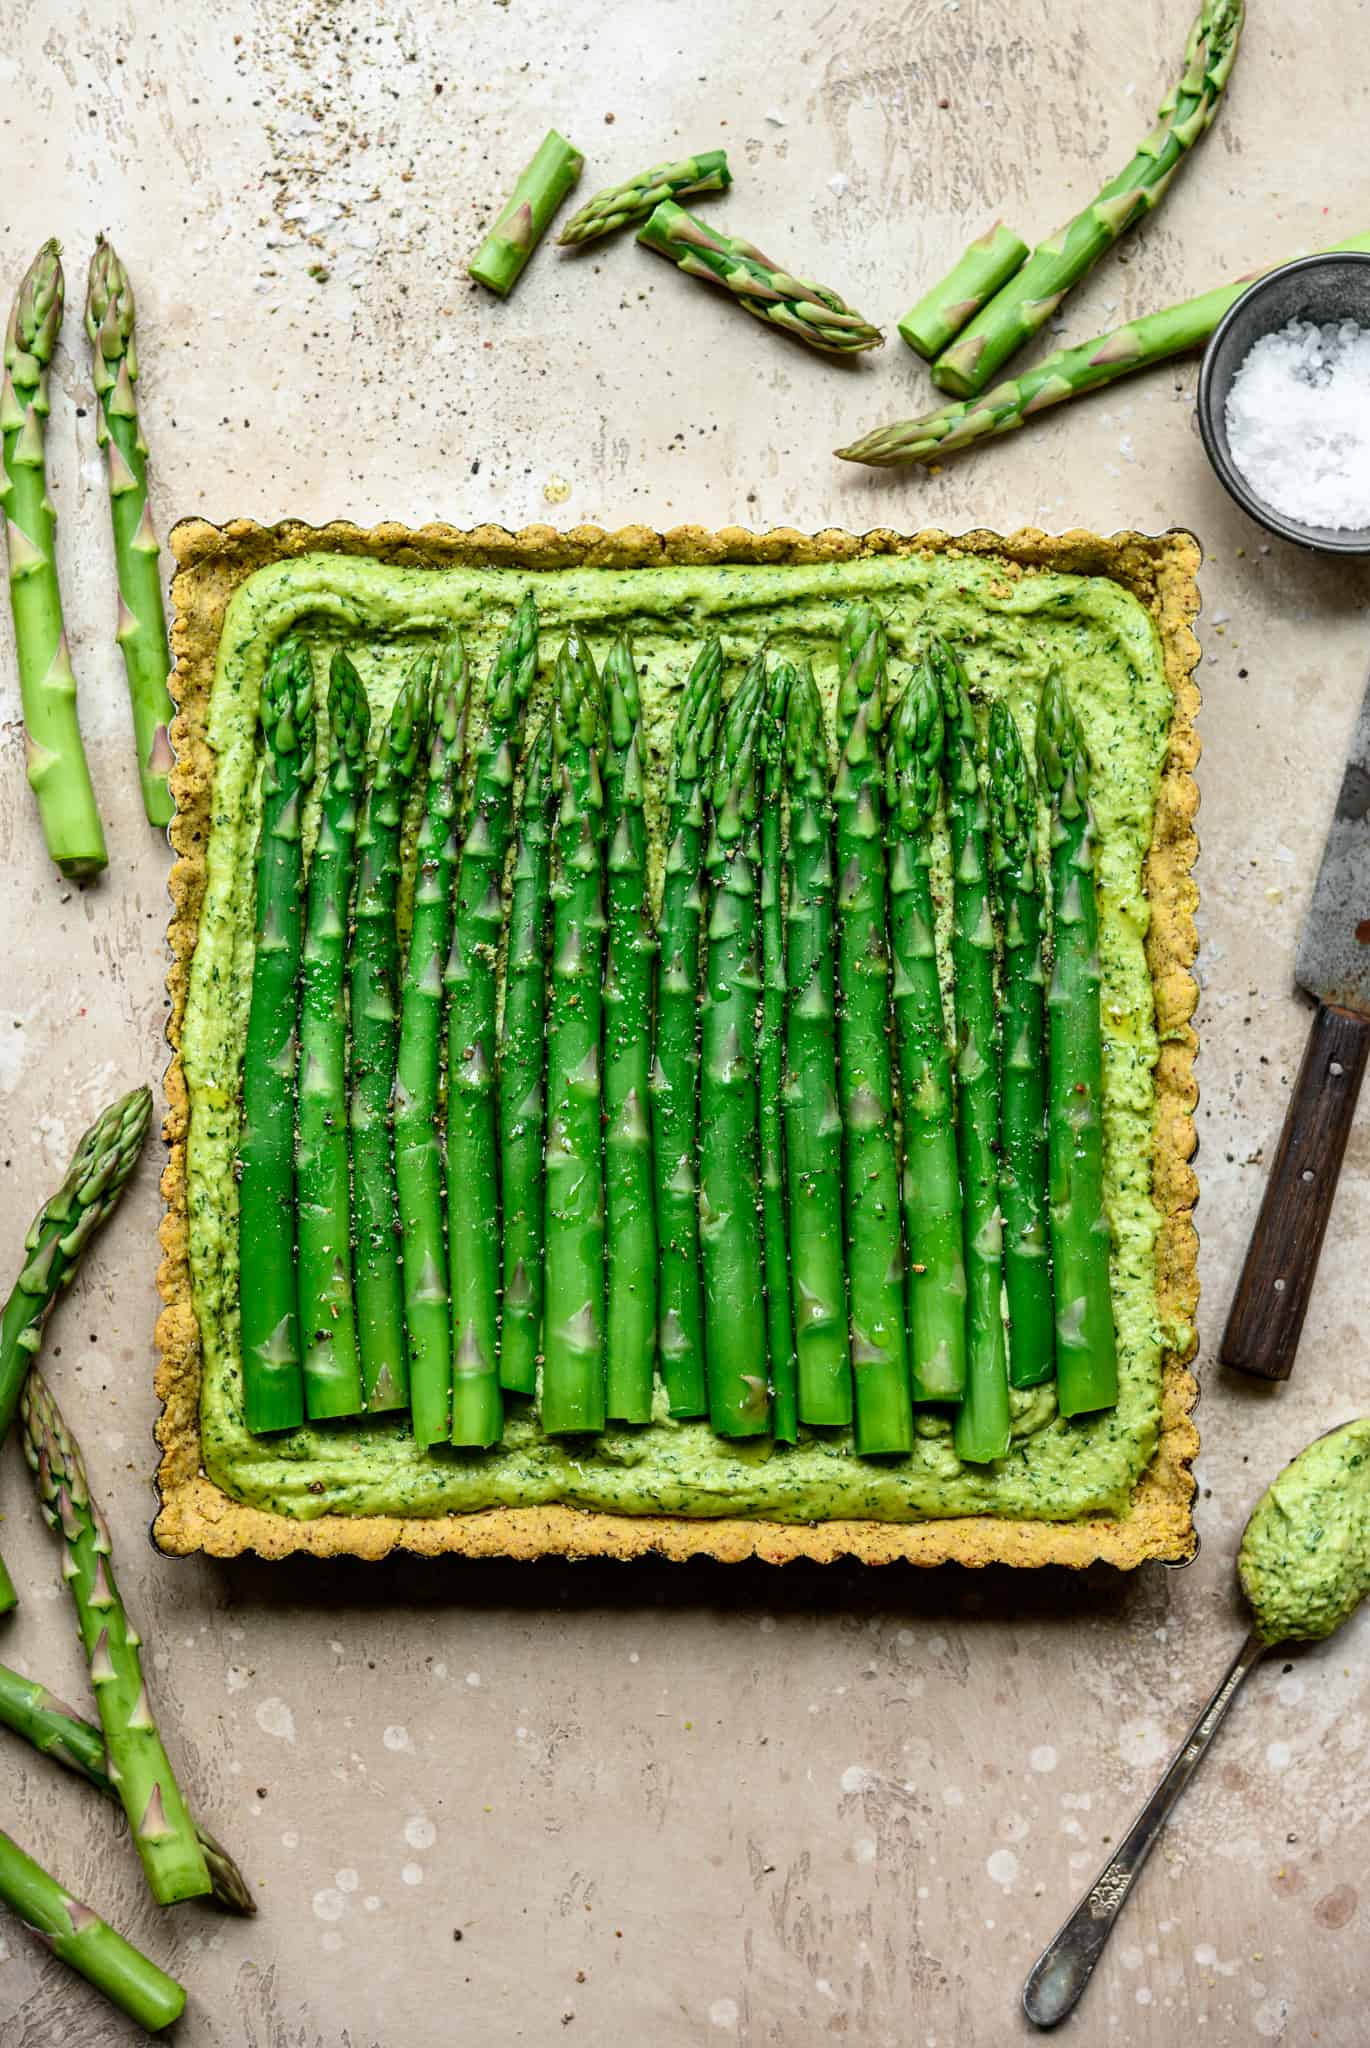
(1334,952)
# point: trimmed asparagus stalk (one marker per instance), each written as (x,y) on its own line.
(82,1940)
(57,769)
(880,1369)
(1086,1347)
(933,1223)
(811,312)
(573,1391)
(473,1243)
(978,273)
(621,206)
(418,1057)
(729,1186)
(522,1091)
(141,630)
(630,1322)
(675,1065)
(555,168)
(268,1303)
(813,1120)
(982,1427)
(163,1833)
(771,1068)
(1023,1155)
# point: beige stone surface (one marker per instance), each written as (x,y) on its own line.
(677,1805)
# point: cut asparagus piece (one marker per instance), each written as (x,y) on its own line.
(268,1304)
(622,206)
(57,769)
(163,1832)
(522,1090)
(630,1323)
(771,1067)
(812,312)
(83,1941)
(978,273)
(1023,1155)
(1086,1347)
(813,1120)
(555,168)
(933,1225)
(729,1182)
(141,630)
(875,1271)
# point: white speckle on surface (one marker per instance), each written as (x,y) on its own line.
(855,1778)
(1143,1994)
(775,117)
(332,1941)
(396,1737)
(236,1679)
(439,1670)
(937,1646)
(275,1718)
(837,183)
(11,1049)
(905,1638)
(863,1849)
(1290,1689)
(767,1624)
(952,1795)
(1278,1755)
(1142,1742)
(473,1680)
(1043,1758)
(329,1904)
(634,1656)
(1131,1957)
(1002,1866)
(1270,2019)
(290,1839)
(412,1873)
(723,2013)
(346,1880)
(419,1831)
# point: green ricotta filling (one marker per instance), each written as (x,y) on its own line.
(1305,1556)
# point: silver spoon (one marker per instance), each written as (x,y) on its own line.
(1058,1978)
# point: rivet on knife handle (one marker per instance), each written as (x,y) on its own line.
(1267,1313)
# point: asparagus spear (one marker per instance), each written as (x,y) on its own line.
(273,1386)
(989,262)
(630,1322)
(810,311)
(813,1121)
(57,769)
(544,183)
(328,1326)
(522,1095)
(675,1064)
(982,1427)
(729,1189)
(473,1244)
(1023,1157)
(880,1370)
(1086,1353)
(573,1392)
(163,1833)
(932,1176)
(620,206)
(1030,297)
(373,974)
(57,1730)
(83,1941)
(142,619)
(418,1058)
(771,1068)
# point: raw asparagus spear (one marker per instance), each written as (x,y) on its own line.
(473,1244)
(328,1325)
(810,311)
(813,1121)
(163,1833)
(141,630)
(1030,298)
(982,1427)
(57,769)
(418,1058)
(771,1067)
(630,1320)
(82,1940)
(1023,1156)
(573,1392)
(729,1185)
(373,975)
(620,206)
(675,1064)
(880,1370)
(556,167)
(1086,1352)
(522,1093)
(932,1175)
(273,1384)
(989,262)
(57,1730)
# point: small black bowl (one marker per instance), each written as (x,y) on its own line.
(1319,288)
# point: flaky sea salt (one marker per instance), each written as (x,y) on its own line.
(1298,423)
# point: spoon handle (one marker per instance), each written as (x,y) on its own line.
(1060,1974)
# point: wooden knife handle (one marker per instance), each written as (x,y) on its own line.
(1272,1295)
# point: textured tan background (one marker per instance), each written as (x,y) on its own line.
(677,1806)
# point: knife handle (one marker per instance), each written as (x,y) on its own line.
(1276,1281)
